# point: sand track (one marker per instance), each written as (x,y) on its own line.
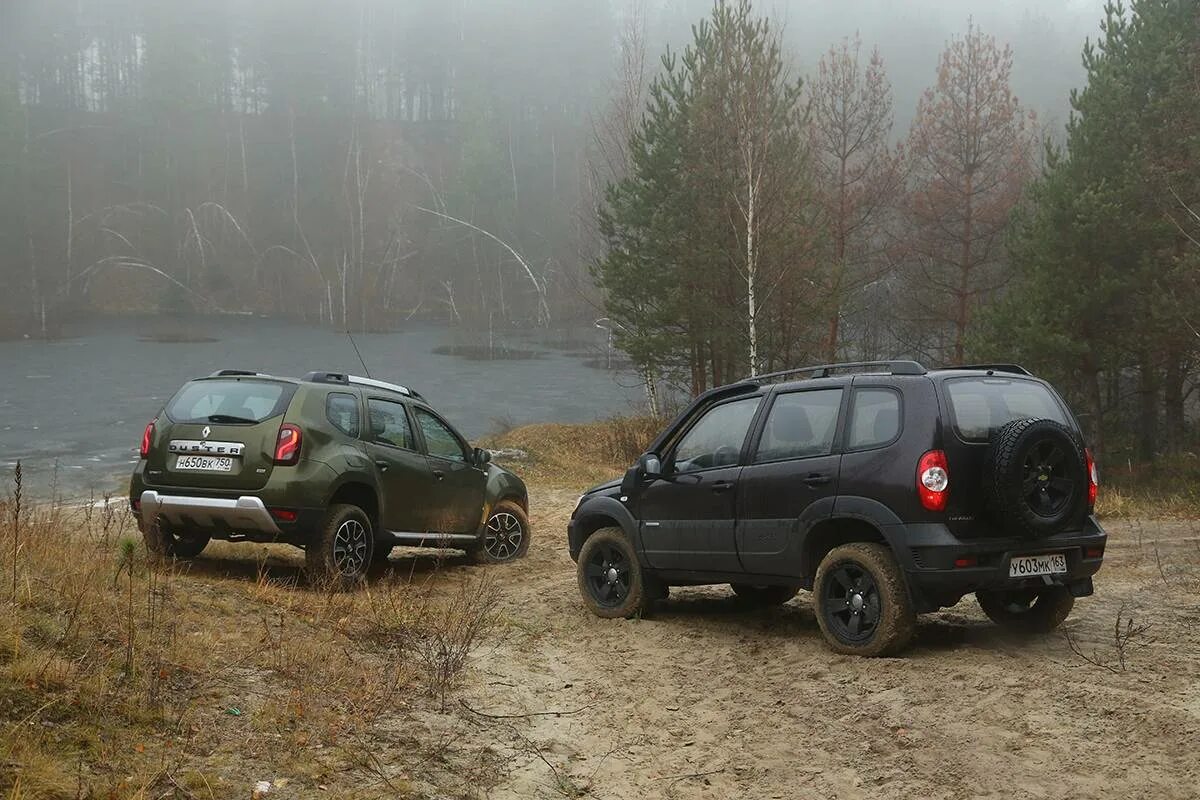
(712,700)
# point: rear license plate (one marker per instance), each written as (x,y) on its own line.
(1049,564)
(204,463)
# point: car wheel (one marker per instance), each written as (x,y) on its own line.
(505,535)
(611,580)
(862,604)
(1027,610)
(164,542)
(342,550)
(764,595)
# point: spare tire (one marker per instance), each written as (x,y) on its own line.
(1036,477)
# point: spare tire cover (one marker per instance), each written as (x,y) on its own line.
(1036,476)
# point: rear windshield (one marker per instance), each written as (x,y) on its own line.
(983,405)
(231,402)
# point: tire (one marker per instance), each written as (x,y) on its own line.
(163,542)
(611,580)
(341,552)
(1027,611)
(764,595)
(862,603)
(1036,477)
(505,535)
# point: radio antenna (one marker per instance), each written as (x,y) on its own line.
(366,371)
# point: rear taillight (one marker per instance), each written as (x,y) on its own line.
(147,437)
(933,480)
(1093,477)
(287,446)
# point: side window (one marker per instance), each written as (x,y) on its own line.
(389,424)
(716,440)
(439,438)
(874,418)
(800,425)
(342,411)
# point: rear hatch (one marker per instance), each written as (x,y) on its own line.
(978,406)
(220,433)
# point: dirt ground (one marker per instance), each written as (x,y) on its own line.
(712,700)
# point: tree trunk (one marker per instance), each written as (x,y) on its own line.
(1148,410)
(1173,404)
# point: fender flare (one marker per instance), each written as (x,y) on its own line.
(606,508)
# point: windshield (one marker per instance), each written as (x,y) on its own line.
(983,405)
(233,402)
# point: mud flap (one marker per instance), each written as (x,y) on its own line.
(1080,588)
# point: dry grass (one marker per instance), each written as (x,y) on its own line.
(120,677)
(577,456)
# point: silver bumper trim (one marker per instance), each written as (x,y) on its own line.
(241,515)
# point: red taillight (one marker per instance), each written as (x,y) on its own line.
(284,514)
(966,561)
(1093,552)
(1093,477)
(147,436)
(933,480)
(287,446)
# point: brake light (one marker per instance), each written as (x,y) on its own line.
(147,436)
(933,480)
(284,514)
(1093,477)
(287,446)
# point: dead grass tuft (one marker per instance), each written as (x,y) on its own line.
(574,456)
(121,676)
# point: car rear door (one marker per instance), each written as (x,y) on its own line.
(688,515)
(455,504)
(791,479)
(220,434)
(405,479)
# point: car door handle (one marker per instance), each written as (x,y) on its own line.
(816,479)
(383,465)
(437,473)
(722,486)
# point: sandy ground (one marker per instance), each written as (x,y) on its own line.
(712,700)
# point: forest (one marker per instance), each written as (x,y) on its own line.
(736,187)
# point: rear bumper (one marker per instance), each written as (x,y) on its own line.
(243,515)
(934,581)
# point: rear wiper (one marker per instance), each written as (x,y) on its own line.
(229,419)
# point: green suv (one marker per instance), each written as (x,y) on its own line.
(344,467)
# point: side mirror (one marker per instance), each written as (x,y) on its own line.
(649,465)
(481,457)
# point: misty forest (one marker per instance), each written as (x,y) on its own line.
(737,188)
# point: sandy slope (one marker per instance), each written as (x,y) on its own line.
(710,700)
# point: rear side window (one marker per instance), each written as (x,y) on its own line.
(874,418)
(342,411)
(983,405)
(800,425)
(230,402)
(389,424)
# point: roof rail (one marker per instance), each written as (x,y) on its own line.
(345,379)
(231,373)
(824,370)
(1016,369)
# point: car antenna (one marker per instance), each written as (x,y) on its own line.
(358,353)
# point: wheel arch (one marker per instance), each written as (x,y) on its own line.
(834,532)
(359,493)
(598,513)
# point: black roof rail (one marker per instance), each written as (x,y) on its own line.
(1016,369)
(327,377)
(824,370)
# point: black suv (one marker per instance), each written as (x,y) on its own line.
(884,488)
(342,466)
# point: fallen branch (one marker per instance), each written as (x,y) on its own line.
(463,703)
